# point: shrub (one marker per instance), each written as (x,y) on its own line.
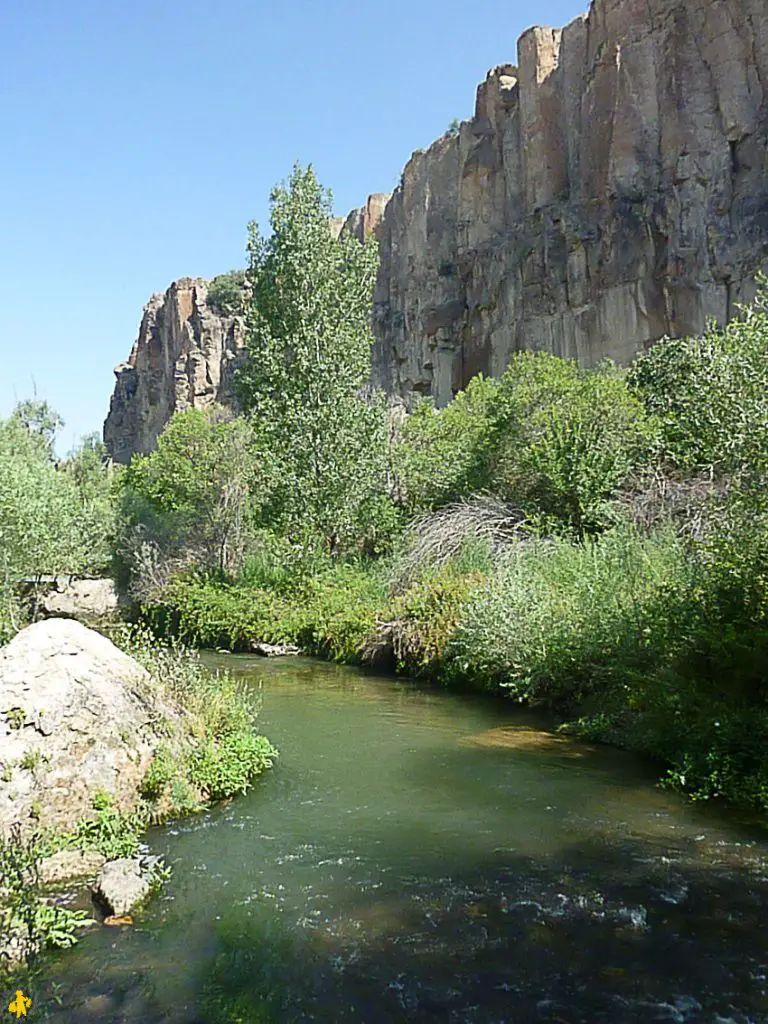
(558,620)
(564,439)
(226,293)
(441,454)
(710,394)
(424,618)
(227,753)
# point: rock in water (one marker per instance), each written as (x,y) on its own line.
(77,716)
(121,886)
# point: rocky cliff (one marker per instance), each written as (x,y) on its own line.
(611,188)
(184,356)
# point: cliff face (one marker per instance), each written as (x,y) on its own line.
(611,188)
(184,356)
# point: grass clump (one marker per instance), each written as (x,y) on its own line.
(224,754)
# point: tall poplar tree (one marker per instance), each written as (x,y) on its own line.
(309,358)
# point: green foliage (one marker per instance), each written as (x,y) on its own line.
(322,443)
(565,439)
(192,501)
(454,127)
(228,766)
(710,394)
(227,754)
(15,717)
(24,912)
(52,519)
(40,421)
(555,615)
(226,293)
(329,613)
(109,831)
(426,617)
(553,439)
(441,455)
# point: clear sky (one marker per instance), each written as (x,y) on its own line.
(138,137)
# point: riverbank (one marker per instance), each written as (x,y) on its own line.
(145,734)
(627,639)
(427,855)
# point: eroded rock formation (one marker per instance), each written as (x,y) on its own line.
(611,188)
(184,356)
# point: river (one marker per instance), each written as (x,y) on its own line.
(419,855)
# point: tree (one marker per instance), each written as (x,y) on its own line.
(309,344)
(194,495)
(226,293)
(47,524)
(39,420)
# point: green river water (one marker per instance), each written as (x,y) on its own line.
(418,855)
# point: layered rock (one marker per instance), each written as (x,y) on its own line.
(611,188)
(185,355)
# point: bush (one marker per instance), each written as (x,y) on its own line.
(192,502)
(710,394)
(552,439)
(423,620)
(330,613)
(441,455)
(226,293)
(559,621)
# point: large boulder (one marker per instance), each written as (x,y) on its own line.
(77,716)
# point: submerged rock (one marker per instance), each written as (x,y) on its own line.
(274,650)
(77,716)
(123,884)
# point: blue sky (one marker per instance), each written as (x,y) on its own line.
(139,137)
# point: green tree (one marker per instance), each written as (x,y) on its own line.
(309,346)
(195,493)
(564,439)
(442,454)
(39,420)
(711,394)
(226,293)
(47,524)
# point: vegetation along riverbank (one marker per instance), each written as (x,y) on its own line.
(590,540)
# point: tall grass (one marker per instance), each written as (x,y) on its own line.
(556,618)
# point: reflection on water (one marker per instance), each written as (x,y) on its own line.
(420,856)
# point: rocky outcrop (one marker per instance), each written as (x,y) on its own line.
(611,188)
(185,355)
(123,884)
(77,716)
(87,600)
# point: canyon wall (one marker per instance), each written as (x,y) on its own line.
(185,356)
(611,188)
